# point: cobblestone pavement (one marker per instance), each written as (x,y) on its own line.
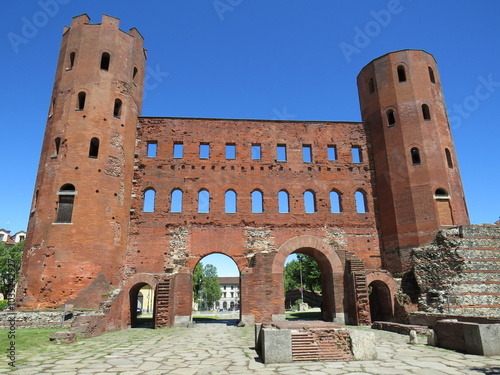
(222,349)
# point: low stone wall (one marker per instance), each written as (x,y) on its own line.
(282,342)
(402,329)
(40,319)
(471,338)
(429,320)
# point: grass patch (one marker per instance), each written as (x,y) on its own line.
(304,315)
(27,340)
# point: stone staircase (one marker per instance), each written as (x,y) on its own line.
(162,318)
(358,277)
(320,345)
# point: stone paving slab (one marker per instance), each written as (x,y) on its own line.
(222,349)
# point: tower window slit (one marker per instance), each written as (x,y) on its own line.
(105,60)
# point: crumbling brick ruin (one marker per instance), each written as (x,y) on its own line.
(122,201)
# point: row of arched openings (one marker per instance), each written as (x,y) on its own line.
(391,115)
(104,63)
(257,200)
(82,97)
(93,147)
(402,77)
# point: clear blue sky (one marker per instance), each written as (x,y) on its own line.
(260,59)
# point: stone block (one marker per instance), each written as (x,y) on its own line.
(482,339)
(276,345)
(363,345)
(63,337)
(182,320)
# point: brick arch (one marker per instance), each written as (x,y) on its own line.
(318,248)
(387,280)
(131,289)
(331,267)
(141,278)
(241,261)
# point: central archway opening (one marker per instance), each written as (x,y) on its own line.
(304,286)
(216,290)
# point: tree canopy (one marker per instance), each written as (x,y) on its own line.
(10,263)
(311,275)
(206,287)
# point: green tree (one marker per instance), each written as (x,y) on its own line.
(197,281)
(10,264)
(206,287)
(311,274)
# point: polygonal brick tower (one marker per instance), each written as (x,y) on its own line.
(418,185)
(78,227)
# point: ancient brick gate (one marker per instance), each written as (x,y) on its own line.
(157,194)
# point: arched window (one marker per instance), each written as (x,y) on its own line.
(35,201)
(176,201)
(80,104)
(203,201)
(431,75)
(283,202)
(230,202)
(361,206)
(335,203)
(105,60)
(391,119)
(257,202)
(149,200)
(415,156)
(94,148)
(401,73)
(449,160)
(52,105)
(441,193)
(117,111)
(134,74)
(371,86)
(72,60)
(426,112)
(57,144)
(309,202)
(65,205)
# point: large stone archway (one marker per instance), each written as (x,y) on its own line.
(331,267)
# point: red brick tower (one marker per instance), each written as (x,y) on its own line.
(418,185)
(78,228)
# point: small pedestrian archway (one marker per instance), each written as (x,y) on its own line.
(142,306)
(381,290)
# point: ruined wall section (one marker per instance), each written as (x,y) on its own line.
(217,174)
(164,241)
(459,272)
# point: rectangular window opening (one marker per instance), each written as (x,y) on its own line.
(332,153)
(178,150)
(281,153)
(204,151)
(256,152)
(152,146)
(230,151)
(306,153)
(356,154)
